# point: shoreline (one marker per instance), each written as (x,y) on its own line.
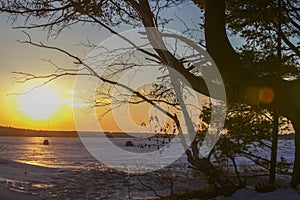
(18,132)
(15,184)
(18,180)
(7,194)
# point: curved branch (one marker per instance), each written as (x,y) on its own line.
(291,45)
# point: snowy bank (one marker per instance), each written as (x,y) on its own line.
(21,181)
(249,194)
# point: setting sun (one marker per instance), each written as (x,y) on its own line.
(39,104)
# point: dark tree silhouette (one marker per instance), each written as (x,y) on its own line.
(241,80)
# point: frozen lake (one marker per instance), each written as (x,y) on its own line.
(78,175)
(81,176)
(71,153)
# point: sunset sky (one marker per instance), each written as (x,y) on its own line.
(25,58)
(16,110)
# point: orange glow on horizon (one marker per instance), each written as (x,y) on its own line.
(45,108)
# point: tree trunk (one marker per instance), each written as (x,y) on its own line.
(219,47)
(275,114)
(274,149)
(224,186)
(296,170)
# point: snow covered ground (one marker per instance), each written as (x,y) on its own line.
(65,169)
(249,194)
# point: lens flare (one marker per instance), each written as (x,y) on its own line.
(266,95)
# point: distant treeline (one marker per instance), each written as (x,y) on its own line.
(10,131)
(19,132)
